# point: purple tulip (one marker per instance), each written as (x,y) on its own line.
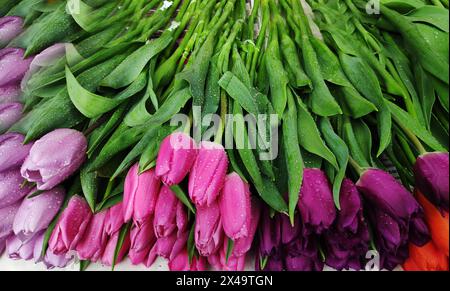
(71,226)
(93,243)
(170,214)
(432,178)
(9,94)
(7,215)
(243,245)
(140,195)
(110,250)
(347,242)
(272,263)
(114,219)
(55,157)
(50,260)
(208,229)
(10,27)
(12,151)
(13,66)
(35,214)
(142,241)
(18,249)
(11,190)
(397,217)
(176,156)
(10,113)
(208,174)
(269,234)
(3,245)
(316,201)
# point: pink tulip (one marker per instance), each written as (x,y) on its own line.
(93,243)
(140,195)
(235,207)
(170,214)
(114,219)
(142,241)
(71,226)
(181,263)
(50,260)
(208,229)
(243,245)
(176,157)
(108,255)
(208,174)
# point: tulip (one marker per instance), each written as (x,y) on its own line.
(35,214)
(12,151)
(10,94)
(18,249)
(272,263)
(7,215)
(347,242)
(438,223)
(208,229)
(10,113)
(50,260)
(54,158)
(3,245)
(316,201)
(180,263)
(13,66)
(142,241)
(168,247)
(110,250)
(140,195)
(243,245)
(165,213)
(233,263)
(235,207)
(93,243)
(432,178)
(426,258)
(269,234)
(176,156)
(208,174)
(11,190)
(71,226)
(114,219)
(10,27)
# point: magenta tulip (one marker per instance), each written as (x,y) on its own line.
(12,151)
(54,158)
(140,195)
(108,255)
(175,159)
(243,245)
(208,229)
(10,113)
(71,226)
(208,174)
(169,214)
(142,241)
(93,243)
(114,219)
(11,188)
(181,263)
(10,27)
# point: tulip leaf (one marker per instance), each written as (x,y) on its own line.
(84,265)
(183,197)
(124,232)
(191,244)
(89,186)
(108,203)
(230,247)
(239,92)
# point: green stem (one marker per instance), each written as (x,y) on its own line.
(356,166)
(412,137)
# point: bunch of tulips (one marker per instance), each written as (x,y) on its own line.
(93,169)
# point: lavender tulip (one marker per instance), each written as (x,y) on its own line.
(71,226)
(12,151)
(9,94)
(140,195)
(316,201)
(347,242)
(208,229)
(175,159)
(11,190)
(18,249)
(13,66)
(143,240)
(50,260)
(3,245)
(35,214)
(10,27)
(54,158)
(432,178)
(93,243)
(7,215)
(208,174)
(10,113)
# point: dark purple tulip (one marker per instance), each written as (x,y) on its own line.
(269,234)
(272,263)
(316,204)
(54,158)
(11,191)
(13,66)
(12,151)
(347,242)
(10,113)
(10,27)
(397,217)
(432,178)
(7,215)
(9,94)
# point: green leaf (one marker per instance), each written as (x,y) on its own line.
(124,232)
(230,246)
(191,244)
(84,265)
(183,197)
(90,187)
(434,15)
(239,92)
(148,157)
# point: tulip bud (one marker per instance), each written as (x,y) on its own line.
(10,27)
(13,66)
(10,113)
(269,234)
(93,243)
(208,174)
(9,94)
(175,159)
(12,151)
(11,190)
(165,213)
(432,178)
(35,214)
(114,219)
(243,245)
(316,201)
(208,229)
(71,226)
(7,215)
(55,157)
(180,263)
(18,249)
(108,255)
(50,260)
(235,207)
(140,195)
(142,241)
